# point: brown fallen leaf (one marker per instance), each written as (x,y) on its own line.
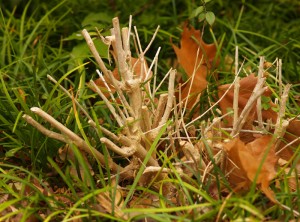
(244,161)
(191,41)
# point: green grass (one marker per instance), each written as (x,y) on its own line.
(39,38)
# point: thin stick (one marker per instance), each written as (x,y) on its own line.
(169,104)
(129,30)
(163,98)
(43,130)
(208,110)
(236,88)
(153,62)
(112,96)
(124,151)
(123,67)
(236,101)
(70,96)
(281,124)
(90,121)
(258,104)
(80,143)
(94,51)
(196,67)
(279,68)
(108,103)
(258,91)
(151,41)
(162,81)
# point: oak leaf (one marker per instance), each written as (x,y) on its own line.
(194,61)
(245,161)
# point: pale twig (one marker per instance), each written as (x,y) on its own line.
(146,119)
(141,55)
(108,103)
(129,30)
(90,121)
(105,131)
(151,41)
(257,91)
(162,81)
(70,96)
(258,103)
(236,61)
(155,59)
(208,110)
(196,67)
(191,153)
(126,45)
(94,51)
(287,145)
(43,130)
(140,50)
(152,169)
(281,123)
(112,96)
(279,72)
(169,104)
(163,98)
(176,120)
(122,65)
(236,87)
(122,97)
(79,142)
(124,151)
(236,101)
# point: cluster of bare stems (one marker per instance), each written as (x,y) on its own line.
(137,112)
(141,115)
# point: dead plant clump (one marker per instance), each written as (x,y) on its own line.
(156,140)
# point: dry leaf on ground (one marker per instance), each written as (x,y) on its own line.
(191,41)
(244,162)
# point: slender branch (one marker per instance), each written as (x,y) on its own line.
(112,96)
(236,101)
(163,98)
(94,51)
(169,104)
(258,91)
(258,103)
(70,96)
(124,151)
(281,123)
(43,130)
(108,103)
(123,67)
(80,143)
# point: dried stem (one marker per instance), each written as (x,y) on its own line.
(108,103)
(94,51)
(281,123)
(258,103)
(258,91)
(71,137)
(43,130)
